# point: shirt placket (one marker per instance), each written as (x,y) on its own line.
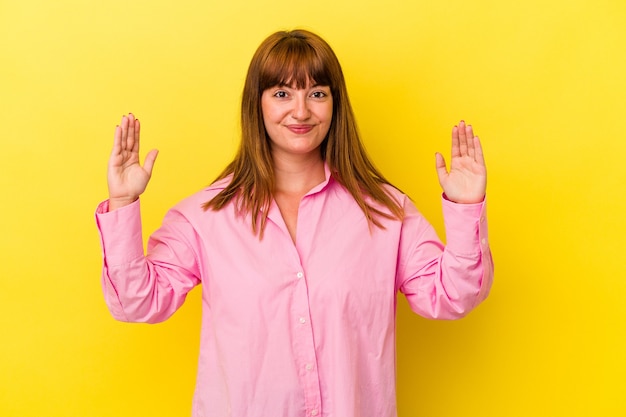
(303,338)
(306,360)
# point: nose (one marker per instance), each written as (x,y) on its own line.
(301,109)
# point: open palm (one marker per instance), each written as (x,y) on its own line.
(127,179)
(466,181)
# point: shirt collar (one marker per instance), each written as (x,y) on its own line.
(322,186)
(274,212)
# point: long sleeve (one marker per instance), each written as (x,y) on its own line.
(145,288)
(446,282)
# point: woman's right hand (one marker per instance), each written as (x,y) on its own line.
(127,179)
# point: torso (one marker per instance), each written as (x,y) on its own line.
(288,206)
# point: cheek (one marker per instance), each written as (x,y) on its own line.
(266,120)
(264,109)
(271,114)
(329,115)
(267,110)
(329,111)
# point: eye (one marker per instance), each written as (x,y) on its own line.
(319,94)
(280,94)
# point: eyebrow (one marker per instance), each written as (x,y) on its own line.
(312,85)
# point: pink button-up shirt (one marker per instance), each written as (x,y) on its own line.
(295,330)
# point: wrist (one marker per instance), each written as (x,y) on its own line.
(465,201)
(119,202)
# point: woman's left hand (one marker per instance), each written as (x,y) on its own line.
(466,181)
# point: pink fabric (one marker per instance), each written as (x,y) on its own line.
(295,330)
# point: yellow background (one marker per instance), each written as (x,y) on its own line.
(543,82)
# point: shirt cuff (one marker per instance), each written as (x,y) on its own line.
(466,227)
(120,233)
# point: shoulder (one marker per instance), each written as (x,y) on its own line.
(215,188)
(394,192)
(398,196)
(194,203)
(403,200)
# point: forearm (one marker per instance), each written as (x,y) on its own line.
(448,282)
(136,288)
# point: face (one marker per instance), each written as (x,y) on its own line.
(297,120)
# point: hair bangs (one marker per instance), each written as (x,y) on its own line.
(294,63)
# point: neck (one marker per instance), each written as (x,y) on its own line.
(297,176)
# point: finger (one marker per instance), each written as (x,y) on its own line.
(124,133)
(130,138)
(148,164)
(440,166)
(117,141)
(455,142)
(479,157)
(462,139)
(469,133)
(137,128)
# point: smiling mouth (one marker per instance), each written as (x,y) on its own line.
(300,129)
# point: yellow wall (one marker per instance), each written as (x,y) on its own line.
(542,82)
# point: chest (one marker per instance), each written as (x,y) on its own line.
(288,206)
(336,256)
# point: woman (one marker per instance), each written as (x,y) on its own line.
(301,246)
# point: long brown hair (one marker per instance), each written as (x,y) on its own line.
(295,58)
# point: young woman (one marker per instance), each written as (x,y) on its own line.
(300,245)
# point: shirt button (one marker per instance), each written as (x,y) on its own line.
(313,412)
(299,274)
(308,366)
(483,241)
(302,320)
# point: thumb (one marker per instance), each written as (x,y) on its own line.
(148,164)
(440,166)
